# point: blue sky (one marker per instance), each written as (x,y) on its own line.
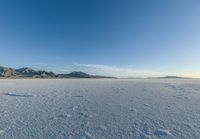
(124,38)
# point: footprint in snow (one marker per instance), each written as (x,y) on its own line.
(182,89)
(147,105)
(171,86)
(162,132)
(181,96)
(85,114)
(78,96)
(17,95)
(64,116)
(133,110)
(119,90)
(186,98)
(188,125)
(61,116)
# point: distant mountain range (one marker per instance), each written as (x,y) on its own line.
(30,73)
(26,72)
(170,77)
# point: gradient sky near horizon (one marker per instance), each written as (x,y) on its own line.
(124,38)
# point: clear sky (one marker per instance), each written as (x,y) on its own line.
(125,38)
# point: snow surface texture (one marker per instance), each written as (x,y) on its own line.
(99,109)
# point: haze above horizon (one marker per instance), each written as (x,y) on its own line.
(122,38)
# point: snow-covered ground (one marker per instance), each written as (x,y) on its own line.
(99,109)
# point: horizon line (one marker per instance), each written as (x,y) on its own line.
(106,69)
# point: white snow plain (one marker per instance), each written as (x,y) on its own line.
(99,109)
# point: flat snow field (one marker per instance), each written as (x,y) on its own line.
(99,109)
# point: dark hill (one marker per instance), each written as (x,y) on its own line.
(30,73)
